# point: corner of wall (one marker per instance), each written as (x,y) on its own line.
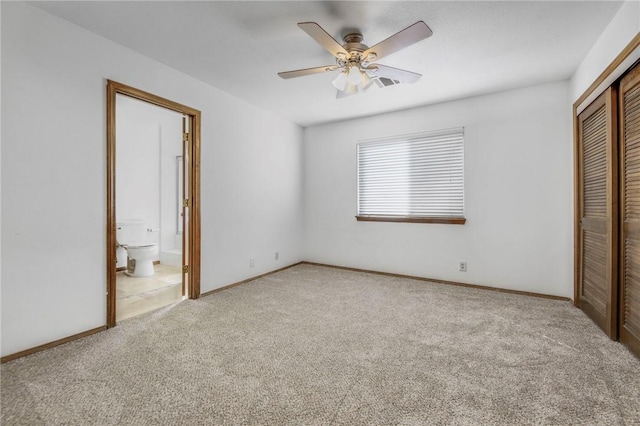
(624,26)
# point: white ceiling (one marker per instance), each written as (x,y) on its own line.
(477,47)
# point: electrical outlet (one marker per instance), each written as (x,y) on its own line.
(252,263)
(462,266)
(277,256)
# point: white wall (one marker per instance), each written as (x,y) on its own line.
(171,147)
(624,26)
(0,190)
(53,176)
(138,146)
(518,195)
(148,139)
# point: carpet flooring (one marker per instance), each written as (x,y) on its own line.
(320,346)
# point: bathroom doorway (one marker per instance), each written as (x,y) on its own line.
(153,215)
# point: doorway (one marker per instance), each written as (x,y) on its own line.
(153,197)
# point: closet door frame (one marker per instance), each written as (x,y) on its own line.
(594,88)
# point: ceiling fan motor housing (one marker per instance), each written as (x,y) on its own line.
(352,44)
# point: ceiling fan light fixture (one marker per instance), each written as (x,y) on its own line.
(355,76)
(350,89)
(366,82)
(340,81)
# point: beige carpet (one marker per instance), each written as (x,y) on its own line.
(320,346)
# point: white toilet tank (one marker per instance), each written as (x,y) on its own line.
(131,232)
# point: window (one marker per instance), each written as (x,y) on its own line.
(412,178)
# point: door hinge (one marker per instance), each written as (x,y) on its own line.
(185,269)
(185,202)
(185,137)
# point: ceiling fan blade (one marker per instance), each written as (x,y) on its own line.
(322,37)
(408,36)
(307,71)
(378,70)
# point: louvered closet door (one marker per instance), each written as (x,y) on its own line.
(597,260)
(630,210)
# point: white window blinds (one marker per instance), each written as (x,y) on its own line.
(412,176)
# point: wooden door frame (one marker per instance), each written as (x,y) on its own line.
(194,116)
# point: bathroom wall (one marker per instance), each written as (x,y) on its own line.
(171,147)
(54,176)
(148,139)
(137,169)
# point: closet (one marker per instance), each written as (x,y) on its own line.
(608,210)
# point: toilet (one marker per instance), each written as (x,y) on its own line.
(136,250)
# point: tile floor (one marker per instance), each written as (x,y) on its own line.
(136,296)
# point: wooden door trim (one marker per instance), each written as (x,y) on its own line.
(622,56)
(617,61)
(114,88)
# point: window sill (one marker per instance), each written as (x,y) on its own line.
(444,220)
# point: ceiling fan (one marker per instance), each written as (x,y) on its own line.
(355,60)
